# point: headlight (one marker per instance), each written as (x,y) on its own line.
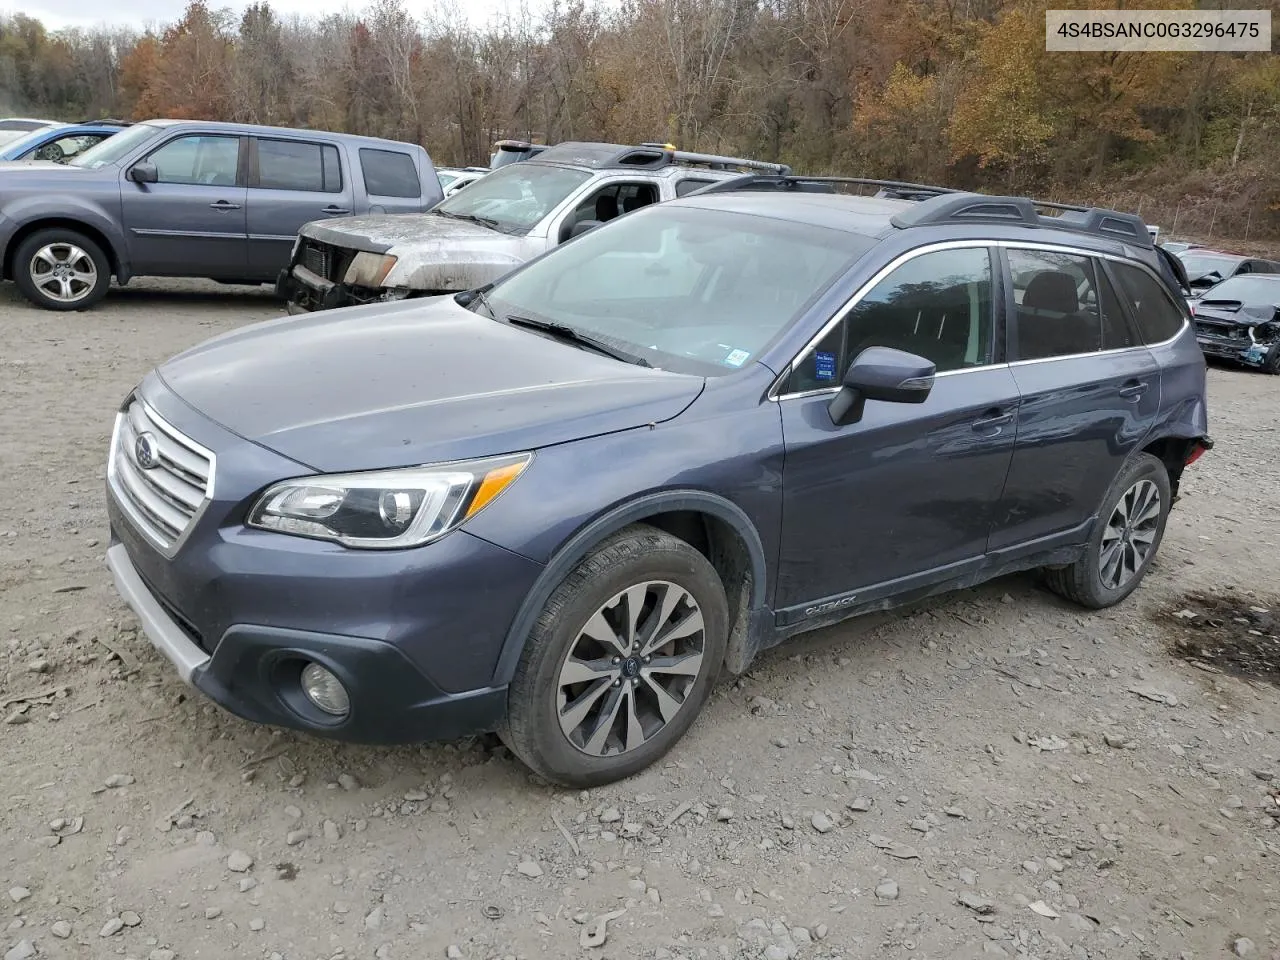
(369,269)
(386,509)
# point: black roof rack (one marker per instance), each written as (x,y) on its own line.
(941,205)
(107,121)
(896,189)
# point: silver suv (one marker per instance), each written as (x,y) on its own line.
(502,220)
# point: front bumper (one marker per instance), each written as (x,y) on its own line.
(305,291)
(254,670)
(1231,348)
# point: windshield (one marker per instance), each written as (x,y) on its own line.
(688,289)
(446,178)
(516,198)
(1247,290)
(1199,264)
(115,148)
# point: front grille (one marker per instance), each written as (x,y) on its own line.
(325,260)
(162,494)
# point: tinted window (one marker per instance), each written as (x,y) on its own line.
(1057,312)
(1116,331)
(1158,316)
(289,165)
(198,159)
(699,291)
(688,186)
(389,173)
(937,306)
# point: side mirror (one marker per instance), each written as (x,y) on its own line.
(582,226)
(881,373)
(144,172)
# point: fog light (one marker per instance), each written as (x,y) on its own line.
(325,690)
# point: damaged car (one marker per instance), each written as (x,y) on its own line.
(1239,320)
(1205,268)
(498,222)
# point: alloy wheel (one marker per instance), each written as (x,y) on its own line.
(630,669)
(63,272)
(1130,534)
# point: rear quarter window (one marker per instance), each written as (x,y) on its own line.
(1158,317)
(389,173)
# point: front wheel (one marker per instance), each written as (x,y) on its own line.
(1130,527)
(620,662)
(61,269)
(1271,362)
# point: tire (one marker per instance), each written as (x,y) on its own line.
(1095,585)
(84,272)
(1271,362)
(661,571)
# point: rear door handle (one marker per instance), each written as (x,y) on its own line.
(1132,391)
(333,211)
(993,419)
(224,205)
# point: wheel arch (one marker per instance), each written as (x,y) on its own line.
(716,527)
(68,223)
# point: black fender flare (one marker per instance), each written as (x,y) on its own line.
(572,551)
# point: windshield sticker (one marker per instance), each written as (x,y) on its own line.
(737,358)
(826,365)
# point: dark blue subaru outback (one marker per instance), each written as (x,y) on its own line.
(559,506)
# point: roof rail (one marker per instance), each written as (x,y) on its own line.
(654,156)
(788,181)
(979,208)
(108,121)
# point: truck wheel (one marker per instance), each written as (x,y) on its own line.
(60,269)
(1130,527)
(621,661)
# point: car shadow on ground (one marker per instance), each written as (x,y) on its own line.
(161,293)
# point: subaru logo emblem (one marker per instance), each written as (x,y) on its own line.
(146,451)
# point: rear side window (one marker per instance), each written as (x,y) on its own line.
(1057,305)
(1157,315)
(290,165)
(389,173)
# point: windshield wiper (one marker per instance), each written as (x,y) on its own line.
(571,335)
(483,297)
(472,218)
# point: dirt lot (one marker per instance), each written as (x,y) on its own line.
(999,774)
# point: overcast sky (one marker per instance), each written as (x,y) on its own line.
(56,14)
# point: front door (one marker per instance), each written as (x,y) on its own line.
(907,494)
(1090,394)
(192,222)
(294,182)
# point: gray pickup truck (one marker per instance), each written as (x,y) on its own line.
(180,198)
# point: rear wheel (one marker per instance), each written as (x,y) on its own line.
(621,661)
(61,269)
(1130,528)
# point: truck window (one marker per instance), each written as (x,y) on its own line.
(292,165)
(389,173)
(200,158)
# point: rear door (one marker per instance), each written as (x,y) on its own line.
(291,182)
(191,223)
(1090,394)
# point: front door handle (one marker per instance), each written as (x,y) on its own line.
(224,205)
(994,418)
(334,211)
(1133,390)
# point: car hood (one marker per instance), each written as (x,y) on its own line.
(419,381)
(1234,312)
(432,252)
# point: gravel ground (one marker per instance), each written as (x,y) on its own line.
(997,774)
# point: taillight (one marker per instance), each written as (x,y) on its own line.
(1198,449)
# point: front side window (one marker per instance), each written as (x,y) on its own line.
(937,305)
(515,198)
(198,159)
(1057,305)
(696,291)
(1157,315)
